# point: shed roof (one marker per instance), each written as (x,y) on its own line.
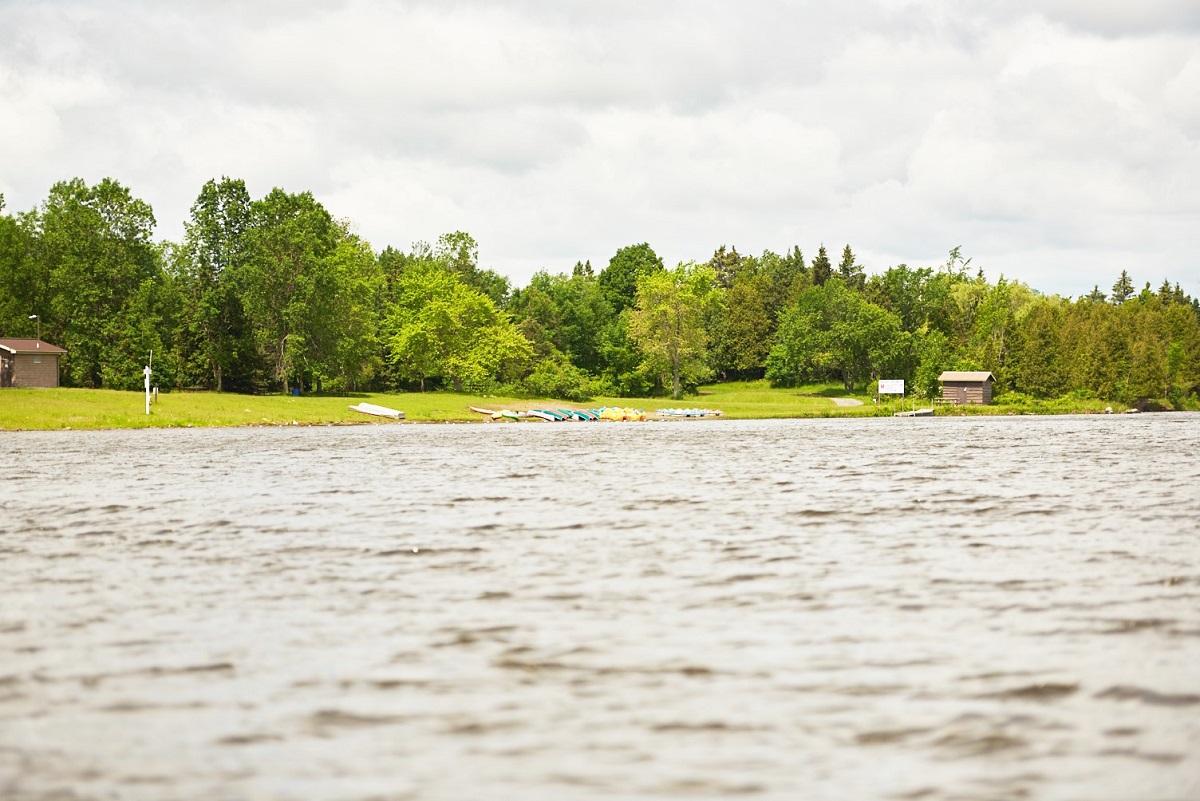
(951,375)
(29,346)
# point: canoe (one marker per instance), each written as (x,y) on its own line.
(378,411)
(480,410)
(542,414)
(690,412)
(619,413)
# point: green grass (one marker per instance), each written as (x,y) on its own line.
(758,399)
(98,408)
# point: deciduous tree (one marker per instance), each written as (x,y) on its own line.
(94,244)
(832,331)
(668,323)
(619,279)
(206,269)
(441,328)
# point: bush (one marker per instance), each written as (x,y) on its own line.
(558,378)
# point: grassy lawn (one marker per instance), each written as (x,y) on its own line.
(758,399)
(99,408)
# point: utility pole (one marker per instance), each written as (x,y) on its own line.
(39,325)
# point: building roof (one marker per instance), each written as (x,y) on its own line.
(28,346)
(951,375)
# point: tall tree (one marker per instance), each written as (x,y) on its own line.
(742,333)
(24,279)
(308,287)
(568,313)
(441,328)
(619,279)
(668,323)
(725,263)
(787,276)
(214,250)
(349,345)
(850,271)
(1034,352)
(822,269)
(459,253)
(833,331)
(94,243)
(992,323)
(1123,289)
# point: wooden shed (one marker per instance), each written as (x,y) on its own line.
(965,388)
(29,363)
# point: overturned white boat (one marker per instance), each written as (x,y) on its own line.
(378,411)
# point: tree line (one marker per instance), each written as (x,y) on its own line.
(275,293)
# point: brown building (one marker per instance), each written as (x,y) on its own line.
(29,363)
(965,388)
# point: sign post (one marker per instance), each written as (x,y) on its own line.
(892,387)
(146,373)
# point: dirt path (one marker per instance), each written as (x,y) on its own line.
(847,402)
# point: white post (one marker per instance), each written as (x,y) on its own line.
(146,372)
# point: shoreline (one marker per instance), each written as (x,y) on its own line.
(670,419)
(72,409)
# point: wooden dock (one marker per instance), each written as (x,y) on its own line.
(915,413)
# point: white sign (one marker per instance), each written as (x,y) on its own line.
(891,387)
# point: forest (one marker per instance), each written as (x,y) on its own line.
(277,294)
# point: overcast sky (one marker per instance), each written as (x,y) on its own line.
(1056,142)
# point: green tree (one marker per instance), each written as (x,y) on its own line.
(568,313)
(787,276)
(310,290)
(619,279)
(822,269)
(850,271)
(555,377)
(1123,289)
(725,263)
(459,253)
(624,371)
(933,357)
(24,279)
(992,323)
(741,335)
(1033,361)
(668,323)
(441,328)
(349,345)
(93,243)
(206,268)
(919,297)
(833,331)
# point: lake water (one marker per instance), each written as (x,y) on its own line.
(827,609)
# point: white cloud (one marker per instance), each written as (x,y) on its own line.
(1052,141)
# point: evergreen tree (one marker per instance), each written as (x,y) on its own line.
(726,265)
(851,273)
(1123,289)
(821,267)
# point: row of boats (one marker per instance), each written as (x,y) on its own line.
(611,413)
